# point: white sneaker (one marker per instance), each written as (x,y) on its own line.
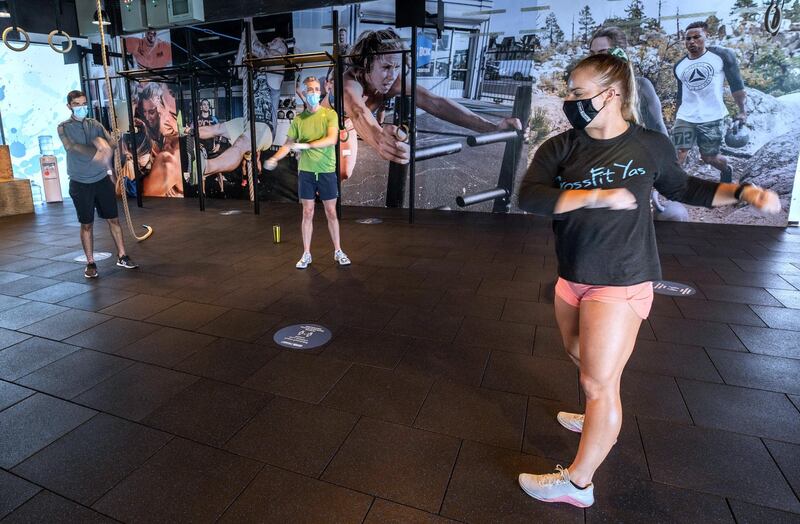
(556,487)
(304,261)
(341,258)
(571,421)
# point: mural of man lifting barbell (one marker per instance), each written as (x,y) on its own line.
(372,79)
(700,119)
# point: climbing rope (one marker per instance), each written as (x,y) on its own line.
(115,131)
(248,159)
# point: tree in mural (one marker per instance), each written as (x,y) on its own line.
(793,13)
(636,18)
(746,10)
(586,23)
(554,33)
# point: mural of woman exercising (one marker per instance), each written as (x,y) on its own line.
(595,181)
(155,114)
(371,79)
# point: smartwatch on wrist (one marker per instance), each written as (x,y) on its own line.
(739,190)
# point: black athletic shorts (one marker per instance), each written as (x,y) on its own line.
(99,195)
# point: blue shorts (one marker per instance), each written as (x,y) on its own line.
(309,185)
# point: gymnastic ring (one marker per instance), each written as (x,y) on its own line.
(401,133)
(773,18)
(21,32)
(55,32)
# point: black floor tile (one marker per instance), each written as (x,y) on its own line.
(471,305)
(492,417)
(539,377)
(29,355)
(742,410)
(64,325)
(756,371)
(27,314)
(395,462)
(652,396)
(424,324)
(49,507)
(227,360)
(673,359)
(35,422)
(544,436)
(372,348)
(536,313)
(16,492)
(277,496)
(752,514)
(716,462)
(456,362)
(10,394)
(75,373)
(8,276)
(239,324)
(111,336)
(790,299)
(294,435)
(726,312)
(548,343)
(787,457)
(27,285)
(484,488)
(208,411)
(695,333)
(9,338)
(187,315)
(55,269)
(621,498)
(57,292)
(512,289)
(496,334)
(9,302)
(298,376)
(394,396)
(779,317)
(740,294)
(182,482)
(137,391)
(139,307)
(166,347)
(737,277)
(85,463)
(366,315)
(384,511)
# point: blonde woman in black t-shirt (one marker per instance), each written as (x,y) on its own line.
(595,182)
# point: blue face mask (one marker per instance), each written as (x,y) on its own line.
(80,112)
(312,99)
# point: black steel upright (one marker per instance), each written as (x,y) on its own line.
(514,149)
(338,107)
(196,126)
(251,105)
(412,127)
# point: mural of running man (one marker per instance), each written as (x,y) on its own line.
(701,108)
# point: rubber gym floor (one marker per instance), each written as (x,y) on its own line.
(158,394)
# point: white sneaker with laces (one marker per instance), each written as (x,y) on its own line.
(556,487)
(340,257)
(304,261)
(571,421)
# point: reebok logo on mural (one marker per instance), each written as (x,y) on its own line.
(600,176)
(698,76)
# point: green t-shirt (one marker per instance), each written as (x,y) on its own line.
(307,127)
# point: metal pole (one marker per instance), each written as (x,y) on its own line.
(337,102)
(412,127)
(251,104)
(195,125)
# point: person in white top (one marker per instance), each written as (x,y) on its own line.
(701,109)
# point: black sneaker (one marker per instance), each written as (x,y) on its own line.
(126,262)
(726,175)
(90,271)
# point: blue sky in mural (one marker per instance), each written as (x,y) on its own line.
(33,90)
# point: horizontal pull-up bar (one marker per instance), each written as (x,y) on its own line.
(448,148)
(490,138)
(483,196)
(291,60)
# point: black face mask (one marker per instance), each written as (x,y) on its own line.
(581,112)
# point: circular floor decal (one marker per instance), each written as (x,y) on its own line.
(230,212)
(302,336)
(97,256)
(675,289)
(369,221)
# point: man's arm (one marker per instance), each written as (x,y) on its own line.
(459,115)
(328,140)
(87,151)
(734,77)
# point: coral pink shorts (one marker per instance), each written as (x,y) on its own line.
(639,296)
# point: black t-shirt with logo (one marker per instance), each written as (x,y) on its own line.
(600,246)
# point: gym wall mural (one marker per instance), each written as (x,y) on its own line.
(731,58)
